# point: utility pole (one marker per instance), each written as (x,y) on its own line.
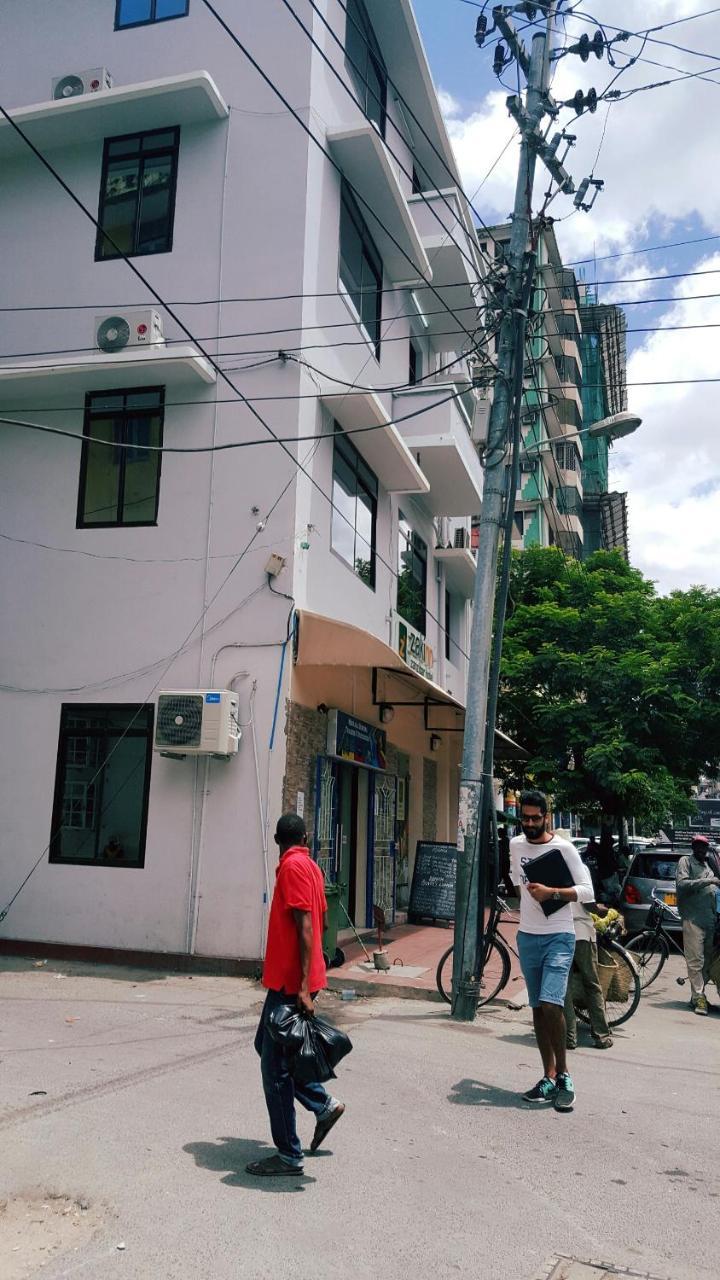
(476,785)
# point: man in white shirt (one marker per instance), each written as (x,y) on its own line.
(546,945)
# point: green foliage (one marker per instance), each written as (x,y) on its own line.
(614,690)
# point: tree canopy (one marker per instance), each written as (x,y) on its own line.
(612,689)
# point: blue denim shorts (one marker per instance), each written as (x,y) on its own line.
(546,960)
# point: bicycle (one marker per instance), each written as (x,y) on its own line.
(496,973)
(617,1011)
(651,948)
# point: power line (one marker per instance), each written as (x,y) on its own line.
(652,248)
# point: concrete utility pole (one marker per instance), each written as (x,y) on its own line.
(476,782)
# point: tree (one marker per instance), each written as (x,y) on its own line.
(613,690)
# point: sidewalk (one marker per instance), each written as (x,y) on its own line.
(414,952)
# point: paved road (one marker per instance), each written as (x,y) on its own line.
(152,1106)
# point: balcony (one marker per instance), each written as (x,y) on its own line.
(570,543)
(451,248)
(383,449)
(362,156)
(178,365)
(460,569)
(439,440)
(192,98)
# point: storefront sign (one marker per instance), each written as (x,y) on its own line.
(354,740)
(412,647)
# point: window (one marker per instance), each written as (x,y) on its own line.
(102,784)
(567,456)
(138,13)
(362,54)
(361,271)
(412,575)
(417,182)
(354,511)
(448,623)
(137,194)
(415,369)
(519,521)
(119,477)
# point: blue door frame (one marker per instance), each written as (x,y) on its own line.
(381,852)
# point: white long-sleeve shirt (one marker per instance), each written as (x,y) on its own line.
(532,916)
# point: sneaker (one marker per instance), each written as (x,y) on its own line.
(564,1093)
(700,1005)
(544,1091)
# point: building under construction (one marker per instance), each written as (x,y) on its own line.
(604,392)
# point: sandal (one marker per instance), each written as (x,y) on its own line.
(274,1167)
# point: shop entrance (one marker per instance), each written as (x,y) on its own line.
(355,837)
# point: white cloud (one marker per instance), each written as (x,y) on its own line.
(671,467)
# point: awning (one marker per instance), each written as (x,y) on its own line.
(328,642)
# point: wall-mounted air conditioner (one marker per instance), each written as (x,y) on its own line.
(128,329)
(197,722)
(76,83)
(462,538)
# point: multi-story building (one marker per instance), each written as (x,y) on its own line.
(548,508)
(604,392)
(261,501)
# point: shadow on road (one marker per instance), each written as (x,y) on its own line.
(476,1093)
(230,1156)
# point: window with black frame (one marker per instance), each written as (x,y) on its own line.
(119,470)
(137,194)
(415,363)
(365,63)
(354,509)
(140,13)
(412,575)
(360,267)
(102,784)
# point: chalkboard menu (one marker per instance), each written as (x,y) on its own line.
(432,894)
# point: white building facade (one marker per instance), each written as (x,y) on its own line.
(324,292)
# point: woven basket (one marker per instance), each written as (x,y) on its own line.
(620,978)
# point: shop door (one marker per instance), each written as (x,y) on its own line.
(335,840)
(383,845)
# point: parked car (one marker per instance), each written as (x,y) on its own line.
(651,867)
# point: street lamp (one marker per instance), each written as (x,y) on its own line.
(612,428)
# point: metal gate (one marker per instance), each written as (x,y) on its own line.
(382,851)
(325,839)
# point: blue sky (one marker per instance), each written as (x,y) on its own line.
(660,160)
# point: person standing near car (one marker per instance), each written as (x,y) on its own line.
(293,973)
(546,944)
(696,887)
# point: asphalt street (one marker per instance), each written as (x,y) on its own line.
(131,1103)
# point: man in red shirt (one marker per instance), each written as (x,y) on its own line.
(294,970)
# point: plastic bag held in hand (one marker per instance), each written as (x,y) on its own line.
(312,1046)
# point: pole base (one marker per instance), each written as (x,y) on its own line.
(465,1004)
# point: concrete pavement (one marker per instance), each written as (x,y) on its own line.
(150,1105)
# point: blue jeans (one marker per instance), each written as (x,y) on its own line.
(546,960)
(281,1090)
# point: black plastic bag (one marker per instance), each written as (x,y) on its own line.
(312,1046)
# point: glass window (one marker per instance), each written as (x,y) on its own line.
(412,575)
(365,63)
(360,267)
(137,194)
(448,622)
(102,784)
(119,476)
(137,13)
(354,509)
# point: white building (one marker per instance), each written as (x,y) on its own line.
(127,573)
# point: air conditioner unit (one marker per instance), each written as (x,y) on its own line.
(76,83)
(197,722)
(462,538)
(528,465)
(129,329)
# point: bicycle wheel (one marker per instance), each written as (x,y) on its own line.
(649,950)
(495,974)
(618,1011)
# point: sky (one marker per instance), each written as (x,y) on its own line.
(659,156)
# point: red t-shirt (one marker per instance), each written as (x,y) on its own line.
(299,886)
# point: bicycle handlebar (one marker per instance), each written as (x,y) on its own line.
(671,911)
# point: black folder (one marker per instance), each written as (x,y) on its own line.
(551,869)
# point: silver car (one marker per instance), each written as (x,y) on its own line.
(652,867)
